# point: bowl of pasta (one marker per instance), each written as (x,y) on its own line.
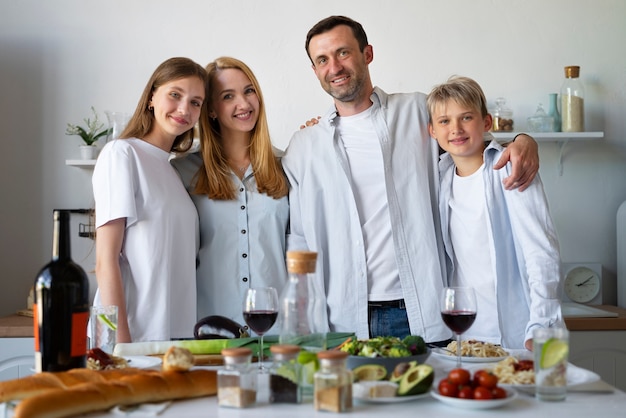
(473,351)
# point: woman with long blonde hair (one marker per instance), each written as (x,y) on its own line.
(240,191)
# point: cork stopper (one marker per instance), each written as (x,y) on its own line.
(332,355)
(236,352)
(285,349)
(572,71)
(301,262)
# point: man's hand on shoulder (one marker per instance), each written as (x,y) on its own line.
(523,153)
(311,122)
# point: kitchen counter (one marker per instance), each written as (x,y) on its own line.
(16,326)
(22,326)
(599,324)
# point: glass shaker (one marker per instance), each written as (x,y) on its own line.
(502,117)
(236,382)
(572,101)
(333,382)
(285,374)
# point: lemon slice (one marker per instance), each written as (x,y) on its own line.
(553,352)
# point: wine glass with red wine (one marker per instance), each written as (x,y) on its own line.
(260,310)
(458,310)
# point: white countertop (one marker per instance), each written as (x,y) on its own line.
(578,404)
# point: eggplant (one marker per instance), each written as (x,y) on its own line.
(218,327)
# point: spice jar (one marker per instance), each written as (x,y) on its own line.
(236,382)
(540,121)
(502,116)
(333,382)
(285,374)
(572,101)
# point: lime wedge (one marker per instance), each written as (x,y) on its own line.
(107,322)
(553,352)
(310,365)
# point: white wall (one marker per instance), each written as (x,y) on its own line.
(58,58)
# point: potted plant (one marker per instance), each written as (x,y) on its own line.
(94,130)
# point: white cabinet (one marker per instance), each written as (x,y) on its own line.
(604,352)
(17,357)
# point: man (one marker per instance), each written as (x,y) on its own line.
(364,188)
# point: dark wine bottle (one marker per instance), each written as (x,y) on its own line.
(61,305)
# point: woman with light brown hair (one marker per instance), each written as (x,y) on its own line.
(238,186)
(146,223)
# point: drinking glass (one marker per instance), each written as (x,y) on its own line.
(551,349)
(103,327)
(260,310)
(458,310)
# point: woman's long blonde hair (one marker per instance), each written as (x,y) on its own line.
(214,177)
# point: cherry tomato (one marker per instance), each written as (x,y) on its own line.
(482,393)
(466,392)
(459,376)
(488,380)
(477,374)
(447,388)
(498,393)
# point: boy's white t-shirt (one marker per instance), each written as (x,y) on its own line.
(135,180)
(470,233)
(368,185)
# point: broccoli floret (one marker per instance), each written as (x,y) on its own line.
(415,343)
(399,350)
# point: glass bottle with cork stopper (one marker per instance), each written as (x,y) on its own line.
(236,382)
(572,101)
(285,374)
(333,382)
(302,314)
(303,318)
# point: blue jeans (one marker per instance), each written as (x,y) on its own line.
(387,320)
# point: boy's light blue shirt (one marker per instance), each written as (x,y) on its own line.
(525,248)
(324,216)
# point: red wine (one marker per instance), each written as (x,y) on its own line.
(458,321)
(260,321)
(61,306)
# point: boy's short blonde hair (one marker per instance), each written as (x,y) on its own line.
(463,90)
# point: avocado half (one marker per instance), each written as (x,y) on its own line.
(417,380)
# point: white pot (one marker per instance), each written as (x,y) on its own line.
(88,152)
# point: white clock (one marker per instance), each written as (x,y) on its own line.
(583,283)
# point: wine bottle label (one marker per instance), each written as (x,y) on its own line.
(79,333)
(36,327)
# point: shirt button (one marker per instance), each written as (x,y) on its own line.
(242,207)
(244,255)
(243,231)
(241,189)
(245,279)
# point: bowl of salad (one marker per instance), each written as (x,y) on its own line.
(387,352)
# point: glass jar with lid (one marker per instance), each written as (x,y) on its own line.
(236,382)
(502,117)
(541,121)
(285,374)
(333,382)
(572,101)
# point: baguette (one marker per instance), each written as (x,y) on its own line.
(49,397)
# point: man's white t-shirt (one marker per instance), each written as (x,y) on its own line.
(470,233)
(135,180)
(368,185)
